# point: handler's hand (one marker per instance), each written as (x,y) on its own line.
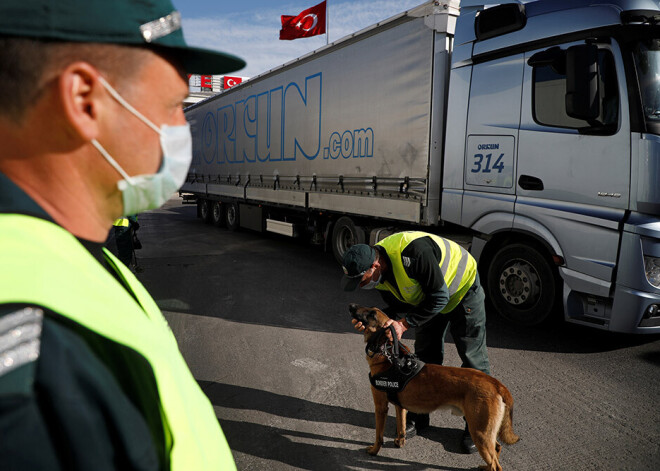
(399,327)
(358,325)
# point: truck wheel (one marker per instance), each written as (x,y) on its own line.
(204,209)
(521,285)
(218,216)
(232,216)
(344,234)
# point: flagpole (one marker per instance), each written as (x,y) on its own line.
(327,24)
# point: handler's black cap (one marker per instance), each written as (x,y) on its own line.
(129,22)
(357,260)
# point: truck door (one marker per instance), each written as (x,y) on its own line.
(491,143)
(573,162)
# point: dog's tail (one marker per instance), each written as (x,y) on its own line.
(506,433)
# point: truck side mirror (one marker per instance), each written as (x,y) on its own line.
(582,82)
(554,57)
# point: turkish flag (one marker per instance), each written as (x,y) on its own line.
(231,81)
(310,22)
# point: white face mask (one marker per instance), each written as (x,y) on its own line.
(372,284)
(143,192)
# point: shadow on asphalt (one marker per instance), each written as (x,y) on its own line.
(238,397)
(290,447)
(268,279)
(651,357)
(560,337)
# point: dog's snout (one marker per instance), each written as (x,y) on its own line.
(352,308)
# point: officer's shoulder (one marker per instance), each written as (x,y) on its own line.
(20,336)
(419,248)
(407,261)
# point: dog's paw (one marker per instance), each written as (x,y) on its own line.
(373,450)
(399,442)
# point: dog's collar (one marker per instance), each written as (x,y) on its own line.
(376,345)
(401,360)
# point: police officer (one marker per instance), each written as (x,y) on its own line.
(434,282)
(91,129)
(125,229)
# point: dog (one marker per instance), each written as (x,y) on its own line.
(486,404)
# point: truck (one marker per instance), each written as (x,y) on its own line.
(528,131)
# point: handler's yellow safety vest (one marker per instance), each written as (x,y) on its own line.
(458,267)
(44,265)
(121,222)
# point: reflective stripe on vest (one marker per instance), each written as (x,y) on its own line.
(121,222)
(457,266)
(44,265)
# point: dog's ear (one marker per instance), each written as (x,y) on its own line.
(379,318)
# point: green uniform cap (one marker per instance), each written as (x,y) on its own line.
(356,261)
(130,22)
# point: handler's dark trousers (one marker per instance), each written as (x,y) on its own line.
(467,324)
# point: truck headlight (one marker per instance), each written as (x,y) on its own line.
(652,269)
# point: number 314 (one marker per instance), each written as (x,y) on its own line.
(478,165)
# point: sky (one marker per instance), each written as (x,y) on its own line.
(250,28)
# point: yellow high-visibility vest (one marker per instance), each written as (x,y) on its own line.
(458,267)
(121,222)
(44,265)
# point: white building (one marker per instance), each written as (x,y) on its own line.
(202,87)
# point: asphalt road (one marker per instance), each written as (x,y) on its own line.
(265,329)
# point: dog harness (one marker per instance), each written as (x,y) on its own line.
(405,366)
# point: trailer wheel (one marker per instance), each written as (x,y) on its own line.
(218,216)
(232,216)
(204,209)
(521,285)
(344,234)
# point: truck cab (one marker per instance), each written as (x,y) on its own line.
(552,157)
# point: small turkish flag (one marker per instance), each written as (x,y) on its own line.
(231,81)
(310,22)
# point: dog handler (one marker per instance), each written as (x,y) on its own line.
(91,129)
(434,281)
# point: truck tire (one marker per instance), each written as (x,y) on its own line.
(204,210)
(521,285)
(232,216)
(218,216)
(344,234)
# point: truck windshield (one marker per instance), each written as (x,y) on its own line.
(647,62)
